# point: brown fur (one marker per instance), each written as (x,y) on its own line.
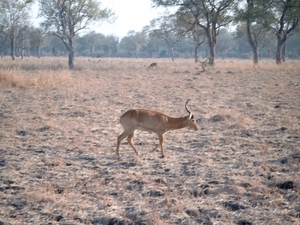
(152,121)
(152,65)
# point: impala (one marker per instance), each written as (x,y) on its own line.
(152,121)
(152,65)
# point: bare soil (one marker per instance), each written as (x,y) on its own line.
(58,131)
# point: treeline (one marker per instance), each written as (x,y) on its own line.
(231,44)
(197,29)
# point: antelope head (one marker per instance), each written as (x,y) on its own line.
(191,118)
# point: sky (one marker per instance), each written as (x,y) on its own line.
(131,15)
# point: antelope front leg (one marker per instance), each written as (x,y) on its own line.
(120,138)
(161,143)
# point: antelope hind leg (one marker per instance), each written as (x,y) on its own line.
(129,138)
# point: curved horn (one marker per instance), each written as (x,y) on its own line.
(186,106)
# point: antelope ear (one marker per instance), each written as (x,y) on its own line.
(191,116)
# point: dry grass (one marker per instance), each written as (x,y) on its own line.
(58,138)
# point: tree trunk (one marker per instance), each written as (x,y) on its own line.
(171,48)
(198,44)
(71,59)
(278,55)
(22,52)
(172,53)
(196,53)
(279,51)
(38,52)
(252,44)
(212,53)
(212,41)
(255,54)
(69,46)
(283,52)
(12,48)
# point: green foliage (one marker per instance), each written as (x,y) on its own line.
(252,11)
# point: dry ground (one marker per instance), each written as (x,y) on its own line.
(58,131)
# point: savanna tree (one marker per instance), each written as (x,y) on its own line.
(282,17)
(14,17)
(167,29)
(90,43)
(23,41)
(210,15)
(187,21)
(37,40)
(251,15)
(67,18)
